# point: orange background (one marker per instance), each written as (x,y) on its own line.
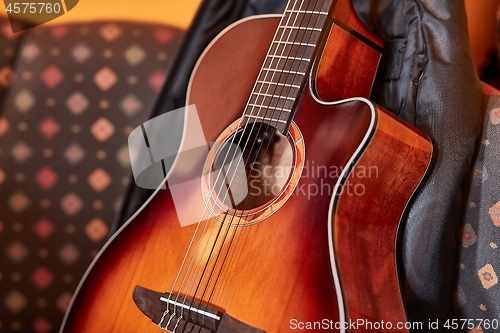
(481,15)
(482,28)
(175,12)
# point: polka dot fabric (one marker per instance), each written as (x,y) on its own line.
(78,91)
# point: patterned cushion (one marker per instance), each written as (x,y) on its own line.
(9,43)
(78,92)
(478,291)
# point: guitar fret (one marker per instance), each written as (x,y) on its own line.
(301,28)
(292,58)
(307,12)
(294,47)
(282,64)
(284,71)
(279,84)
(264,118)
(269,107)
(303,52)
(294,43)
(274,96)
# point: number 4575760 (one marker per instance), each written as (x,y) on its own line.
(33,8)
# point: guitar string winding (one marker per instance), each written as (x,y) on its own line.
(231,222)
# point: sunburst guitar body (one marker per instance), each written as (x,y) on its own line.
(315,248)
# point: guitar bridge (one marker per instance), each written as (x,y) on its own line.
(183,314)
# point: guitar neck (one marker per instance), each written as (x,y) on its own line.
(290,57)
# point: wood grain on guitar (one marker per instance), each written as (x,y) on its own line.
(321,249)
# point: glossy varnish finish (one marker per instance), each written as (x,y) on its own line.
(357,80)
(364,221)
(278,270)
(344,13)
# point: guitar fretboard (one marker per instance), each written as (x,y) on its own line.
(287,63)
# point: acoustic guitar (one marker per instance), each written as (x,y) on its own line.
(312,247)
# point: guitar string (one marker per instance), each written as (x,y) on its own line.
(234,235)
(247,201)
(201,237)
(231,223)
(253,125)
(233,176)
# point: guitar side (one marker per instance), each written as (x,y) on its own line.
(284,269)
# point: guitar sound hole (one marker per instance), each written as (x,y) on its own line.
(252,167)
